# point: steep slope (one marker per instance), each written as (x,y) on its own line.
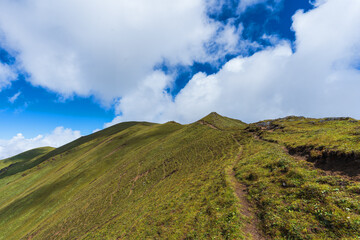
(25,156)
(331,143)
(140,181)
(217,178)
(294,196)
(25,165)
(219,122)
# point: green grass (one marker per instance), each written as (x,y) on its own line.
(331,135)
(25,156)
(221,122)
(294,200)
(140,180)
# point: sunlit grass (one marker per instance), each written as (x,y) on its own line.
(140,180)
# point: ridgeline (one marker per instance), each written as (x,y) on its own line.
(217,178)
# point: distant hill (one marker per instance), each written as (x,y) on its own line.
(25,156)
(217,178)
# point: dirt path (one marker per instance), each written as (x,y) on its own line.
(202,122)
(251,227)
(246,209)
(114,151)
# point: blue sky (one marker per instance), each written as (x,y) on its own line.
(84,66)
(38,111)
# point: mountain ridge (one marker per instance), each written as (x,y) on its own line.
(145,180)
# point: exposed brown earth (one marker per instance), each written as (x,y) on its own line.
(332,162)
(251,227)
(202,122)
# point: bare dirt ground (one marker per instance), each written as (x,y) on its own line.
(251,227)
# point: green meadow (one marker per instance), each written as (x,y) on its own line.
(139,180)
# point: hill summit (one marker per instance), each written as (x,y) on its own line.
(217,178)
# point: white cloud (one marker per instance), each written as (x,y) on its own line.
(244,4)
(149,99)
(19,143)
(96,130)
(215,6)
(7,74)
(107,47)
(318,79)
(110,48)
(14,97)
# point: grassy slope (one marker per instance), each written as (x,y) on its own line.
(142,180)
(156,181)
(295,199)
(330,134)
(25,156)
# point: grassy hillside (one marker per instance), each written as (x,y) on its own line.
(217,178)
(330,143)
(141,181)
(330,134)
(303,176)
(294,199)
(25,156)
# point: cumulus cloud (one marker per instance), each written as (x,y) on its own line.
(105,48)
(148,100)
(230,91)
(319,78)
(20,143)
(109,49)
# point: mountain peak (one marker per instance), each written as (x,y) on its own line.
(211,116)
(220,122)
